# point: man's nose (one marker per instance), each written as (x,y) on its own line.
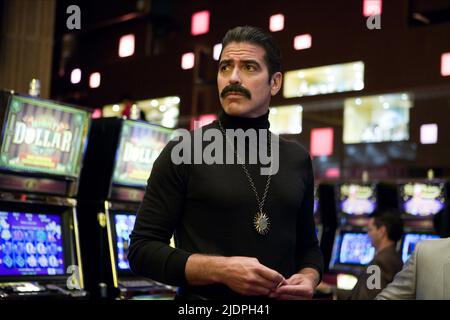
(235,76)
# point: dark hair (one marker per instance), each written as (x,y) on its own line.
(260,38)
(391,219)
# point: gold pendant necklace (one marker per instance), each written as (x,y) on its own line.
(262,223)
(261,220)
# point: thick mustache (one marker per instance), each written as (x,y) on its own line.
(235,88)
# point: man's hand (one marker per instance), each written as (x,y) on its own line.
(298,287)
(248,277)
(243,275)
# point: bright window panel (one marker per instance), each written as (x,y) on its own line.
(286,119)
(163,111)
(324,80)
(377,118)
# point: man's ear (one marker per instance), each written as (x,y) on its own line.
(383,230)
(275,83)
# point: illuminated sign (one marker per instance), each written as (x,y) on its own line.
(377,118)
(357,199)
(324,80)
(286,119)
(42,136)
(421,199)
(140,145)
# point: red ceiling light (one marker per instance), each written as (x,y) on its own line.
(332,173)
(207,119)
(322,142)
(276,22)
(126,45)
(372,7)
(97,113)
(445,64)
(202,120)
(302,42)
(200,23)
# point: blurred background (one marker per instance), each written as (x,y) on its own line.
(376,98)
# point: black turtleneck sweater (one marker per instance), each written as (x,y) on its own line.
(210,209)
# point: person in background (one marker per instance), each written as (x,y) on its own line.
(425,276)
(131,110)
(385,228)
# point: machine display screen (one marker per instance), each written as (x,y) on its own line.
(140,145)
(123,224)
(410,240)
(422,199)
(42,136)
(357,199)
(355,249)
(30,244)
(316,201)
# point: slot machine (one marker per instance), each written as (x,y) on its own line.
(325,218)
(42,147)
(422,204)
(352,248)
(118,163)
(317,215)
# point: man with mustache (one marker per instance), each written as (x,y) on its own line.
(239,234)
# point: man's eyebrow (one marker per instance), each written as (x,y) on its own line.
(225,61)
(248,61)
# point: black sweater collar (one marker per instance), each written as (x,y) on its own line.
(234,122)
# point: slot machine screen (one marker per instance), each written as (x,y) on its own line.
(31,244)
(44,137)
(140,145)
(357,199)
(411,239)
(316,201)
(355,249)
(123,226)
(422,199)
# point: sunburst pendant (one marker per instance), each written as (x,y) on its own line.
(262,223)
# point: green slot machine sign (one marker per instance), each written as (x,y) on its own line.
(43,137)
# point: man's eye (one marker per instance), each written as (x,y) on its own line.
(250,67)
(224,68)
